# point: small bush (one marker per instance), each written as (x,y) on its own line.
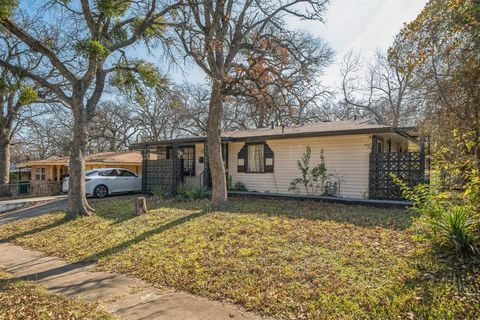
(455,227)
(230,183)
(447,224)
(191,193)
(161,192)
(199,193)
(183,191)
(312,181)
(240,186)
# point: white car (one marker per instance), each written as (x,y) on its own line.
(103,182)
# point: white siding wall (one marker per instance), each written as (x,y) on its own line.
(345,156)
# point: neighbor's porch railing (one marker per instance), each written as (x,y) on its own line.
(26,189)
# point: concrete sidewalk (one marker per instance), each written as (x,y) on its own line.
(125,297)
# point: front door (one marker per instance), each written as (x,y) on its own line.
(187,163)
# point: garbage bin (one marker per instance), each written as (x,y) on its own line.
(23,187)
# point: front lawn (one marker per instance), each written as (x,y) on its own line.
(288,259)
(25,300)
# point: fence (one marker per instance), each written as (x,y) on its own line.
(408,166)
(30,189)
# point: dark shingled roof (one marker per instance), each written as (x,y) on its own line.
(332,128)
(318,127)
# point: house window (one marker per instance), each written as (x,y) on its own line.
(186,156)
(40,174)
(379,146)
(256,158)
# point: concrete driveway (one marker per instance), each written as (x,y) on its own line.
(55,204)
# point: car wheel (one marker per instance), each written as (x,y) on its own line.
(100,191)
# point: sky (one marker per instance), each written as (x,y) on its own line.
(361,26)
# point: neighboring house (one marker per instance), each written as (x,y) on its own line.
(56,168)
(360,156)
(19,174)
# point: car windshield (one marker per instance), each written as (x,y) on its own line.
(91,173)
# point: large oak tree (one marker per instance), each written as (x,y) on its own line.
(85,42)
(246,48)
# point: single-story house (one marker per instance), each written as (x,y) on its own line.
(360,156)
(55,168)
(19,173)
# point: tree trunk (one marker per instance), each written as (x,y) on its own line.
(4,159)
(262,116)
(215,161)
(77,200)
(112,143)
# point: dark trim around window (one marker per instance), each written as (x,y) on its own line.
(267,155)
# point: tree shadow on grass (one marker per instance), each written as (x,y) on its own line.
(71,267)
(33,231)
(116,211)
(119,210)
(358,215)
(362,216)
(120,247)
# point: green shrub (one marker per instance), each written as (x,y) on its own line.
(183,191)
(199,193)
(240,186)
(455,227)
(161,191)
(191,192)
(447,224)
(229,183)
(312,180)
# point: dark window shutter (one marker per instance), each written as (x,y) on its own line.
(242,154)
(269,161)
(374,144)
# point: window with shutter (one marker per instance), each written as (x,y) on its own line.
(255,158)
(242,159)
(268,159)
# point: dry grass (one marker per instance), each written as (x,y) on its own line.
(25,300)
(292,260)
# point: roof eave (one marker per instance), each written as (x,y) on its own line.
(187,141)
(316,134)
(177,142)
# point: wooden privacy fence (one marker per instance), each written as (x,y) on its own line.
(408,166)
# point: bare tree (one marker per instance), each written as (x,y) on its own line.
(85,41)
(157,114)
(381,91)
(46,135)
(239,44)
(113,127)
(193,104)
(16,93)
